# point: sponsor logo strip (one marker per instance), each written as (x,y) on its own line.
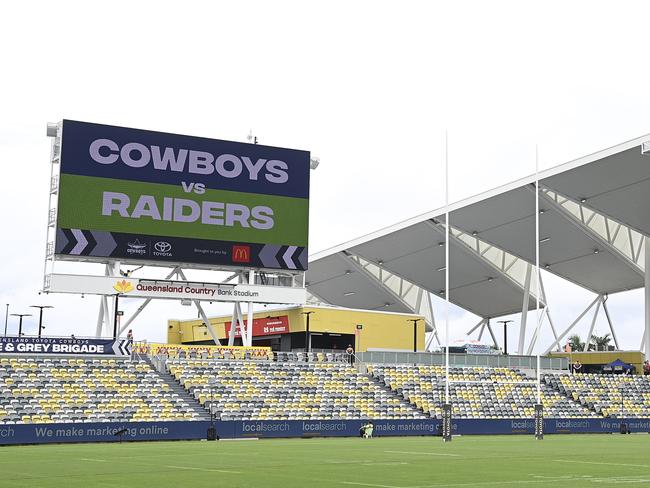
(177,249)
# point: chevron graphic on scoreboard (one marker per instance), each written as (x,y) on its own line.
(274,256)
(104,244)
(122,347)
(80,242)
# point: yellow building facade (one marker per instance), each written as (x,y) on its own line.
(597,359)
(329,327)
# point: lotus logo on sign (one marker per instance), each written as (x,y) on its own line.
(123,286)
(162,248)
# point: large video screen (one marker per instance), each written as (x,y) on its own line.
(150,196)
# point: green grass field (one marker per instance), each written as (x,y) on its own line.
(407,462)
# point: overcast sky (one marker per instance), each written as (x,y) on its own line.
(369,87)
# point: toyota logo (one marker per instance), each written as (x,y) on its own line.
(163,246)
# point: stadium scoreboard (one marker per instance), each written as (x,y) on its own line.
(148,196)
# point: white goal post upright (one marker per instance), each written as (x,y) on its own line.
(446,421)
(539,412)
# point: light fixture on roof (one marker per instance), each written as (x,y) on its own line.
(347,272)
(442,292)
(583,200)
(387,304)
(474,233)
(596,251)
(349,293)
(541,211)
(440,244)
(547,266)
(490,279)
(380,262)
(544,239)
(442,269)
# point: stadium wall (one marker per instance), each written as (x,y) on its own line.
(101,432)
(166,431)
(347,428)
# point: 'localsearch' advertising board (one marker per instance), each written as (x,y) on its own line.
(151,196)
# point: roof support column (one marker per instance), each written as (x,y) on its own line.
(480,332)
(524,311)
(647,298)
(611,325)
(593,322)
(494,339)
(573,324)
(481,322)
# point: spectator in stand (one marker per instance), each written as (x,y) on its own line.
(129,336)
(350,353)
(646,367)
(577,367)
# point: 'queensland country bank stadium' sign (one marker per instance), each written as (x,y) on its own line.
(174,290)
(152,196)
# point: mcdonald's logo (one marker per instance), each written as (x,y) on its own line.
(241,254)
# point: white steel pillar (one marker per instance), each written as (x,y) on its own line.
(199,307)
(647,297)
(144,305)
(593,322)
(569,328)
(249,324)
(233,325)
(100,319)
(524,310)
(611,325)
(494,338)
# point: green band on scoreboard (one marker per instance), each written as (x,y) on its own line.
(137,207)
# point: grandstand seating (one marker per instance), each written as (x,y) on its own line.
(48,390)
(483,392)
(607,395)
(271,390)
(35,390)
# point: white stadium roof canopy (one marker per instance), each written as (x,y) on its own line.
(594,215)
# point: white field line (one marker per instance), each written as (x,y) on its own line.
(203,469)
(369,484)
(426,453)
(603,464)
(366,462)
(595,479)
(94,460)
(389,463)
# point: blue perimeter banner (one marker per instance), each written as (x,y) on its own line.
(101,432)
(58,346)
(161,431)
(343,428)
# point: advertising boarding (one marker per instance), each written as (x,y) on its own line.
(68,346)
(150,196)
